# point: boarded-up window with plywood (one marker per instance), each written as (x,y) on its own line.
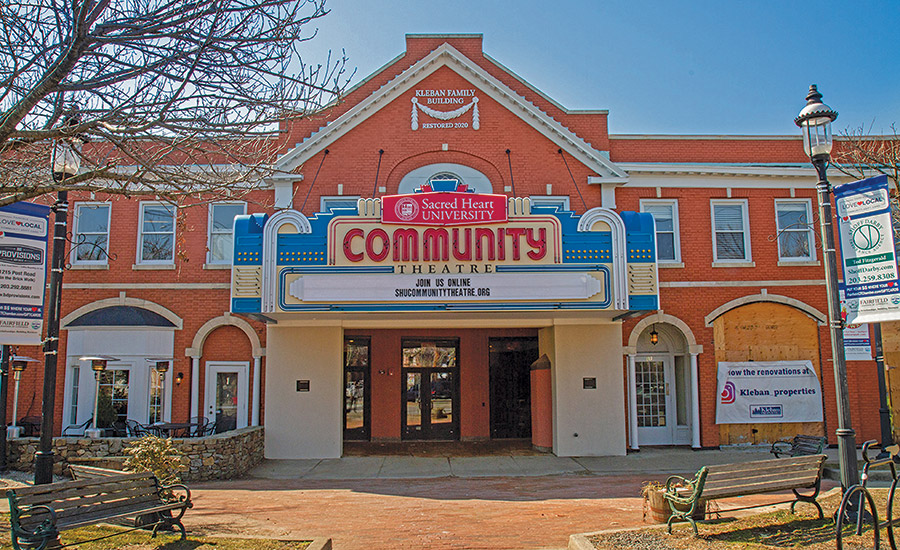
(766,331)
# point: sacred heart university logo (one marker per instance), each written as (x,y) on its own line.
(406,209)
(728,394)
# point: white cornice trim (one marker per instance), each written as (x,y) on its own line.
(723,137)
(446,55)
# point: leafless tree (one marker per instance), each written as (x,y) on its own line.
(860,154)
(174,98)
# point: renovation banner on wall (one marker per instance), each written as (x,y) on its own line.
(23,269)
(752,392)
(868,259)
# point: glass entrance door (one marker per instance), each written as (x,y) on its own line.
(356,388)
(653,392)
(430,389)
(227,395)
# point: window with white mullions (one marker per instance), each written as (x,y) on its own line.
(665,216)
(114,388)
(795,231)
(91,233)
(731,235)
(157,237)
(221,231)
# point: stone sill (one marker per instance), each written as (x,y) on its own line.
(153,267)
(734,264)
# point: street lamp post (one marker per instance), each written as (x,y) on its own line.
(19,364)
(815,121)
(65,164)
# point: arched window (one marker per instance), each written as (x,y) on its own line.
(424,174)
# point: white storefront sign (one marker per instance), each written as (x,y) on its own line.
(754,392)
(495,287)
(23,268)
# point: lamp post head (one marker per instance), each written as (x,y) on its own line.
(66,160)
(98,362)
(815,121)
(19,363)
(160,365)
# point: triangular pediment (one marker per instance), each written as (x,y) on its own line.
(448,56)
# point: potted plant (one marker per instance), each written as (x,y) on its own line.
(658,507)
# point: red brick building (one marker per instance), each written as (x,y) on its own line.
(739,279)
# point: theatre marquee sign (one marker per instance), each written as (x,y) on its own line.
(443,251)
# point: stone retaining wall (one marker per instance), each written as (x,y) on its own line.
(222,456)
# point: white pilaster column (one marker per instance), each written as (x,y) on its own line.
(695,402)
(195,386)
(632,407)
(254,418)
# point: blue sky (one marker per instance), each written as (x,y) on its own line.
(670,67)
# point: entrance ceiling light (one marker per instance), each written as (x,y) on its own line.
(654,336)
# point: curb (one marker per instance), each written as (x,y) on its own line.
(325,544)
(579,541)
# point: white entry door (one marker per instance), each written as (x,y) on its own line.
(654,384)
(226,394)
(662,399)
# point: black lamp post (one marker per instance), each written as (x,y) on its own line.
(815,121)
(65,164)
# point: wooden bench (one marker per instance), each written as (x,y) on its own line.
(39,513)
(748,478)
(799,445)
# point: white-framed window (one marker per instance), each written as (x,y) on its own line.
(341,201)
(665,217)
(221,231)
(793,221)
(155,413)
(91,233)
(156,238)
(113,395)
(560,201)
(731,230)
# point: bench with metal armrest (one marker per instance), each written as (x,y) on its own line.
(748,478)
(39,513)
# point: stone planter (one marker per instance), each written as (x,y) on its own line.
(660,511)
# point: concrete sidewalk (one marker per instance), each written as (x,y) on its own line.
(650,460)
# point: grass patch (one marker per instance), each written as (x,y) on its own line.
(773,530)
(166,540)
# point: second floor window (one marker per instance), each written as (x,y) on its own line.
(91,233)
(665,216)
(156,242)
(221,231)
(731,235)
(795,232)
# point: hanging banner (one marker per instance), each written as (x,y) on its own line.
(869,263)
(755,392)
(23,268)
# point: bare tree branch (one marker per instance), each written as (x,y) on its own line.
(174,98)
